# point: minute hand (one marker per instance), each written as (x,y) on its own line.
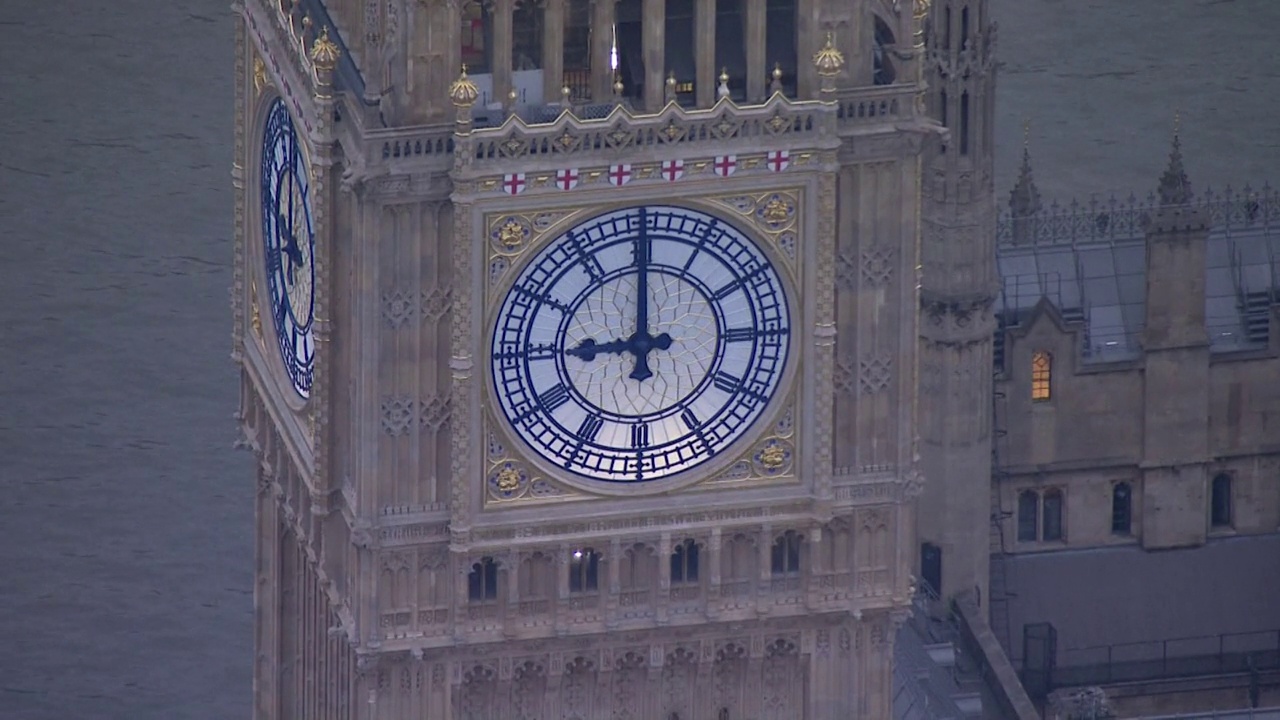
(640,341)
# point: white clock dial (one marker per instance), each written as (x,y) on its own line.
(289,245)
(640,344)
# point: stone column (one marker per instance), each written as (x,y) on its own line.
(552,50)
(655,30)
(704,25)
(755,40)
(502,18)
(662,594)
(602,13)
(712,599)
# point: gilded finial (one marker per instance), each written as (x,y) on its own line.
(617,86)
(829,61)
(777,71)
(565,91)
(724,75)
(462,91)
(325,52)
(671,79)
(723,90)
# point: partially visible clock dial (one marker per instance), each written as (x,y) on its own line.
(289,245)
(640,344)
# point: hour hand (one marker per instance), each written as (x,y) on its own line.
(588,349)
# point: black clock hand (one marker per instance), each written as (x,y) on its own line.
(641,341)
(588,349)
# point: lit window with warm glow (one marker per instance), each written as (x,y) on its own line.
(1041,370)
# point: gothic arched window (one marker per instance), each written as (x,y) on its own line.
(1220,501)
(1051,508)
(786,553)
(477,37)
(1041,375)
(684,563)
(780,42)
(482,581)
(584,571)
(1121,509)
(883,72)
(527,27)
(1028,515)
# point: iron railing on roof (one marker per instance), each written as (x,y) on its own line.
(1167,659)
(1125,218)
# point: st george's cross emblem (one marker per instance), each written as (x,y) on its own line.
(725,165)
(619,175)
(672,170)
(513,184)
(777,160)
(567,179)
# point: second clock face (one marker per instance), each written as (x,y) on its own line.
(289,245)
(640,344)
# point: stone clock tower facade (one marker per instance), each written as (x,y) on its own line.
(582,380)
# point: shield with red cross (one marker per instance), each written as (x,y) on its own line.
(672,170)
(725,165)
(777,160)
(619,175)
(513,184)
(567,179)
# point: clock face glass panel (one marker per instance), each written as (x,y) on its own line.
(640,344)
(289,245)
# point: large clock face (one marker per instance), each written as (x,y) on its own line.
(640,344)
(289,245)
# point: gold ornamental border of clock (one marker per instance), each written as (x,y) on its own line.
(774,214)
(511,477)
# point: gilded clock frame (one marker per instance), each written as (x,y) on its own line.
(768,451)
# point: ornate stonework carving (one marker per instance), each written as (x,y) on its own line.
(398,414)
(874,373)
(775,214)
(877,264)
(842,380)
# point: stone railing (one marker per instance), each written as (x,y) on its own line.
(857,107)
(623,134)
(622,131)
(1123,219)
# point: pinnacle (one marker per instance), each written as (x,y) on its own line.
(1174,187)
(1024,200)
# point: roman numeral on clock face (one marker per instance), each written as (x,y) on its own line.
(589,428)
(727,382)
(740,334)
(640,435)
(553,398)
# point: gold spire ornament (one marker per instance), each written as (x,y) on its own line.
(463,93)
(617,86)
(775,86)
(723,90)
(829,61)
(325,53)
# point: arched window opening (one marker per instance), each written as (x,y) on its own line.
(786,554)
(577,49)
(628,33)
(780,42)
(964,28)
(1041,375)
(946,33)
(641,568)
(731,47)
(584,571)
(1052,511)
(680,42)
(482,581)
(527,28)
(1028,515)
(964,124)
(684,563)
(1121,509)
(883,72)
(477,38)
(1220,501)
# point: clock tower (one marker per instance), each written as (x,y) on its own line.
(579,354)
